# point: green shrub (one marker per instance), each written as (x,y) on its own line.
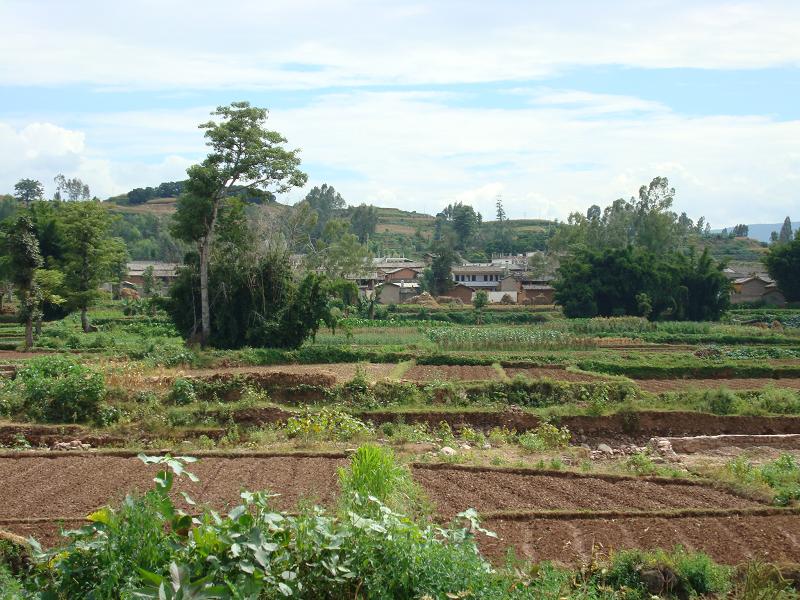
(182,392)
(779,401)
(327,424)
(781,477)
(721,401)
(358,391)
(58,389)
(545,437)
(684,573)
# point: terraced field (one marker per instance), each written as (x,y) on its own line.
(553,516)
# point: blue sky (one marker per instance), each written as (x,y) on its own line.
(416,105)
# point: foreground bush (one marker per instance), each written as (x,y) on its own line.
(58,389)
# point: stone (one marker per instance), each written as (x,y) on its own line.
(447,451)
(605,449)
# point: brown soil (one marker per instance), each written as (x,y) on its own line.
(47,435)
(451,373)
(291,375)
(42,493)
(557,374)
(639,425)
(15,355)
(731,539)
(668,385)
(73,486)
(453,490)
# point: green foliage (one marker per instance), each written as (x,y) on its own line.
(504,338)
(253,304)
(363,220)
(326,424)
(684,573)
(91,255)
(58,389)
(634,281)
(182,392)
(721,401)
(783,264)
(545,437)
(374,473)
(781,476)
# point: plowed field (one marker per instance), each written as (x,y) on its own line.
(730,539)
(452,490)
(40,494)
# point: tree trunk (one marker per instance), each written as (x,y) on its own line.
(39,325)
(85,321)
(205,312)
(29,332)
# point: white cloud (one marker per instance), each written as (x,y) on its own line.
(42,150)
(247,43)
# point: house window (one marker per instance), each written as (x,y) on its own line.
(473,278)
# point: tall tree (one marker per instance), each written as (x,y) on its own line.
(91,255)
(338,253)
(243,153)
(21,258)
(363,220)
(326,202)
(786,231)
(783,264)
(463,221)
(439,278)
(71,189)
(28,190)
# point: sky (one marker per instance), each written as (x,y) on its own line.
(553,106)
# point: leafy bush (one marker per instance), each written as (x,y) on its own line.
(721,401)
(545,437)
(58,389)
(327,424)
(182,392)
(683,573)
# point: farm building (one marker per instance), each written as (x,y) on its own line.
(397,292)
(757,288)
(163,272)
(476,276)
(538,294)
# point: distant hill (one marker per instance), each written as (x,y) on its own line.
(762,231)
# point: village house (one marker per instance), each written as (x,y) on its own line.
(479,276)
(164,273)
(397,292)
(757,288)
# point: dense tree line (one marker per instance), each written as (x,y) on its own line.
(635,258)
(783,264)
(56,255)
(638,281)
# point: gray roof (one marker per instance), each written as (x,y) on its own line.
(160,269)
